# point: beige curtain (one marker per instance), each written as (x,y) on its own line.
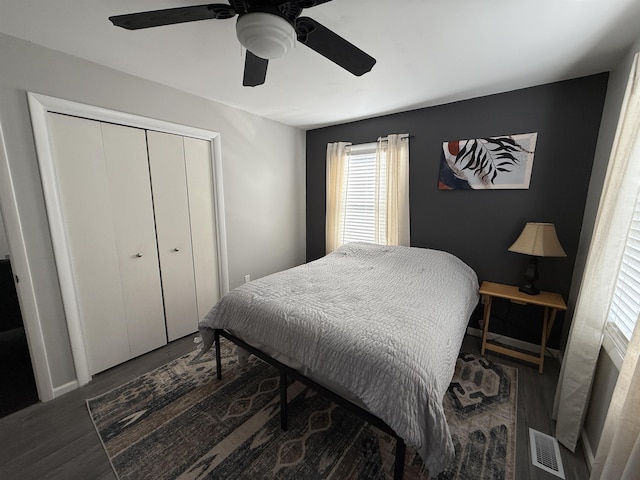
(614,215)
(618,454)
(393,151)
(336,159)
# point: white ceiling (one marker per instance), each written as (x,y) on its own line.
(428,51)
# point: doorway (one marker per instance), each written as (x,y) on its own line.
(16,372)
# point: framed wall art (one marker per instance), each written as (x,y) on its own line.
(503,162)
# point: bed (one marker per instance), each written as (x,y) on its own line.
(363,321)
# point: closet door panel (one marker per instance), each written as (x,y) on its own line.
(125,151)
(200,186)
(169,187)
(86,204)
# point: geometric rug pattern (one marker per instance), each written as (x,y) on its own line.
(180,422)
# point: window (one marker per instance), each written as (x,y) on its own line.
(625,302)
(360,189)
(368,192)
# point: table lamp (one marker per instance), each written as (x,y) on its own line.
(536,240)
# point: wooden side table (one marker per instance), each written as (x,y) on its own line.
(552,302)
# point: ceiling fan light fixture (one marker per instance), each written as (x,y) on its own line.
(265,35)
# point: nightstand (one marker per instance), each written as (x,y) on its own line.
(552,302)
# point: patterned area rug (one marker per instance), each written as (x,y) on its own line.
(179,422)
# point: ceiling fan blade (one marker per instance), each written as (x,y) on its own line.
(255,70)
(170,16)
(309,3)
(333,46)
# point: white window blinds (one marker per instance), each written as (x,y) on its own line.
(362,186)
(625,302)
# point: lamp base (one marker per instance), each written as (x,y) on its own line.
(529,290)
(531,275)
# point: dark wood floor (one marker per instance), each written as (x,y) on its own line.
(57,440)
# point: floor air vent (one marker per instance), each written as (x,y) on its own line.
(545,453)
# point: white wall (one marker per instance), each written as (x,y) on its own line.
(263,169)
(4,245)
(603,384)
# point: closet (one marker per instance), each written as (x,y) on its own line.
(139,218)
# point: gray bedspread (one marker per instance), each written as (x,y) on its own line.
(385,323)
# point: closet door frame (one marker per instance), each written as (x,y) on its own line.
(39,106)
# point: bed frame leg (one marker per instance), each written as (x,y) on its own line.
(398,468)
(216,339)
(283,400)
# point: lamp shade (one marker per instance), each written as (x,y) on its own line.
(266,35)
(538,240)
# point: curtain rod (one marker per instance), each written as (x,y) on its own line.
(384,139)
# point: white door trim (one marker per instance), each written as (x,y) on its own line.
(39,106)
(22,270)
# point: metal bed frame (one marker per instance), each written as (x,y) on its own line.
(286,371)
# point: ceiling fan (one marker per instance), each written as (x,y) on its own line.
(266,28)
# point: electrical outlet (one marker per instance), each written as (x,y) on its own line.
(247,278)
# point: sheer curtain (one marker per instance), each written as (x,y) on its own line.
(618,454)
(393,151)
(336,162)
(607,244)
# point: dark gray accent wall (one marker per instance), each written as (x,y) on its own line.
(479,226)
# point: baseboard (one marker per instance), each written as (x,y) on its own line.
(66,388)
(588,452)
(514,342)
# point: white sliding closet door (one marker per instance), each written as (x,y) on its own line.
(85,198)
(125,151)
(138,210)
(171,206)
(107,222)
(204,242)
